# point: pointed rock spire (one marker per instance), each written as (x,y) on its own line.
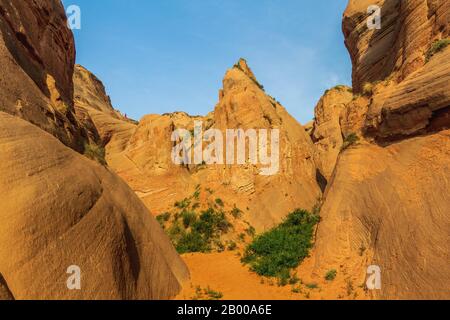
(243,66)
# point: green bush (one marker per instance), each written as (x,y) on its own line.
(192,242)
(95,152)
(250,231)
(182,204)
(219,202)
(232,246)
(349,141)
(163,218)
(331,275)
(213,295)
(284,247)
(236,212)
(189,218)
(312,285)
(436,47)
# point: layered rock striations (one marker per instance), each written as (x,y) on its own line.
(146,163)
(387,203)
(60,209)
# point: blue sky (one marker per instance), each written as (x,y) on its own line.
(158,56)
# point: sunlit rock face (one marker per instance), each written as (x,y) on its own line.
(386,203)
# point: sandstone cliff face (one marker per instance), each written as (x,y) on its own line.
(397,54)
(93,109)
(53,217)
(37,55)
(387,202)
(146,162)
(409,27)
(326,132)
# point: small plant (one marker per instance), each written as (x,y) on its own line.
(349,287)
(436,47)
(189,218)
(236,212)
(296,290)
(367,89)
(163,218)
(250,231)
(349,141)
(331,275)
(95,152)
(213,295)
(362,249)
(232,246)
(196,194)
(283,278)
(206,294)
(294,279)
(219,202)
(341,88)
(312,286)
(182,204)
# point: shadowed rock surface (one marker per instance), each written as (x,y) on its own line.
(59,208)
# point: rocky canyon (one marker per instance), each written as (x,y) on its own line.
(82,184)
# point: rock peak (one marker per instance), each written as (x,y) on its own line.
(243,66)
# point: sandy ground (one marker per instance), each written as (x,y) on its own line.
(223,272)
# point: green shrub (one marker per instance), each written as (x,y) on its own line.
(349,141)
(213,295)
(284,247)
(312,286)
(331,275)
(219,202)
(192,242)
(296,290)
(211,222)
(283,277)
(250,231)
(294,279)
(189,218)
(163,218)
(232,246)
(182,204)
(436,47)
(95,152)
(236,213)
(196,194)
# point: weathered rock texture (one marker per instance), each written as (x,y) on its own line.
(326,132)
(387,202)
(59,208)
(94,110)
(146,164)
(37,56)
(54,217)
(409,27)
